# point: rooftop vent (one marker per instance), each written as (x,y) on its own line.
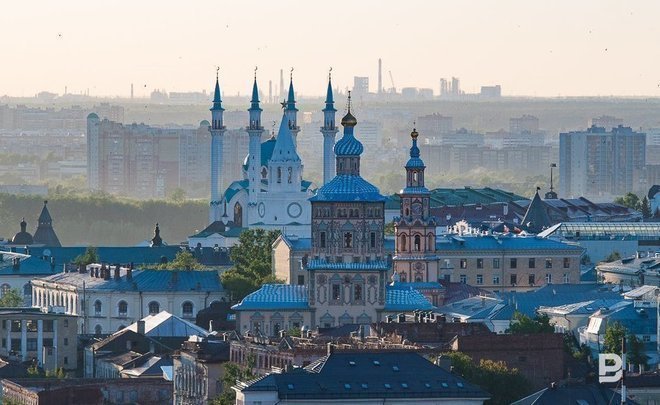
(376,363)
(388,386)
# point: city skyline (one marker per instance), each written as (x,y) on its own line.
(534,50)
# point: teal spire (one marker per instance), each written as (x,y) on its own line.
(348,145)
(217,100)
(329,99)
(254,103)
(291,99)
(415,160)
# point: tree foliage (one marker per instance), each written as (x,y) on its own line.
(252,263)
(614,334)
(90,256)
(645,207)
(614,256)
(11,299)
(184,260)
(505,385)
(233,373)
(524,324)
(630,200)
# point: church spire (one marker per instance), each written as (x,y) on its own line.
(254,103)
(415,166)
(291,99)
(329,130)
(217,99)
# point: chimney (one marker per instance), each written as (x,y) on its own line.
(52,263)
(117,276)
(331,349)
(129,273)
(16,264)
(106,273)
(211,325)
(81,269)
(140,327)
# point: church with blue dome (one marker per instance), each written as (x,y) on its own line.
(348,271)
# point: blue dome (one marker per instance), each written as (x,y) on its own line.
(346,187)
(266,153)
(348,145)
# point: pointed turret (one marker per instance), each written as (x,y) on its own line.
(217,99)
(284,166)
(156,240)
(536,218)
(291,111)
(23,237)
(291,99)
(217,130)
(415,166)
(255,130)
(285,148)
(329,131)
(45,234)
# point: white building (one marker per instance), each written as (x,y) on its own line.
(107,299)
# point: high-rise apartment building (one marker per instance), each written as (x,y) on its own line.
(599,163)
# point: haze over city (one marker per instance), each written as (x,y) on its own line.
(559,48)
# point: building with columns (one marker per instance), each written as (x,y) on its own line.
(109,298)
(272,193)
(49,337)
(347,270)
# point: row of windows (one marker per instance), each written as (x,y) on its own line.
(531,279)
(31,325)
(289,175)
(417,243)
(154,308)
(513,263)
(347,240)
(325,212)
(357,293)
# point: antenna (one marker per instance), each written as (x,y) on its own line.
(217,72)
(330,74)
(349,101)
(255,72)
(291,73)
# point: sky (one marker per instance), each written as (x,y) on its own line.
(533,48)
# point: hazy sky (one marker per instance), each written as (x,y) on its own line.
(543,48)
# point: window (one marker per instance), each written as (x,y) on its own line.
(4,289)
(372,237)
(16,326)
(548,278)
(480,263)
(66,360)
(496,280)
(48,325)
(279,174)
(238,215)
(290,175)
(66,323)
(357,292)
(122,308)
(66,341)
(97,307)
(322,240)
(567,263)
(565,278)
(464,263)
(98,329)
(532,279)
(154,308)
(532,263)
(418,243)
(301,280)
(336,292)
(646,338)
(348,240)
(463,279)
(32,345)
(404,242)
(480,279)
(514,279)
(496,263)
(513,263)
(187,308)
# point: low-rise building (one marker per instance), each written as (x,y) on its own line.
(631,271)
(198,370)
(108,298)
(367,377)
(48,337)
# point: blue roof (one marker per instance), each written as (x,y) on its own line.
(291,100)
(348,145)
(329,99)
(274,297)
(298,243)
(285,147)
(145,280)
(108,254)
(502,243)
(217,100)
(346,187)
(319,264)
(254,103)
(235,187)
(29,266)
(405,298)
(419,284)
(266,152)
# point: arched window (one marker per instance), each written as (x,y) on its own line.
(418,243)
(431,242)
(404,243)
(154,308)
(238,215)
(357,292)
(187,308)
(290,175)
(122,308)
(4,289)
(98,329)
(264,173)
(414,177)
(348,240)
(279,174)
(98,306)
(27,290)
(322,240)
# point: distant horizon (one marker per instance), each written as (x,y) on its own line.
(550,49)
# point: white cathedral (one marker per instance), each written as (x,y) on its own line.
(272,193)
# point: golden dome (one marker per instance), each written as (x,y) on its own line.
(414,134)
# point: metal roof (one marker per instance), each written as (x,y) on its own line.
(604,230)
(165,324)
(346,187)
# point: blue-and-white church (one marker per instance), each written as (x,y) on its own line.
(272,193)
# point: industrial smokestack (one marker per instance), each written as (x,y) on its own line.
(270,92)
(281,83)
(380,76)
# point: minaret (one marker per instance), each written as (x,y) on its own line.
(329,130)
(217,130)
(255,130)
(414,249)
(291,112)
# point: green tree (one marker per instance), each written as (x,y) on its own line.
(614,256)
(614,334)
(184,260)
(389,228)
(178,195)
(524,324)
(635,352)
(90,256)
(252,263)
(630,200)
(233,373)
(505,385)
(645,207)
(11,299)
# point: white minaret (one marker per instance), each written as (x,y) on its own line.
(255,130)
(217,130)
(329,130)
(291,112)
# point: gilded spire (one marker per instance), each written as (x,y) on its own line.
(349,120)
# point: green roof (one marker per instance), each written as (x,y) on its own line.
(462,196)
